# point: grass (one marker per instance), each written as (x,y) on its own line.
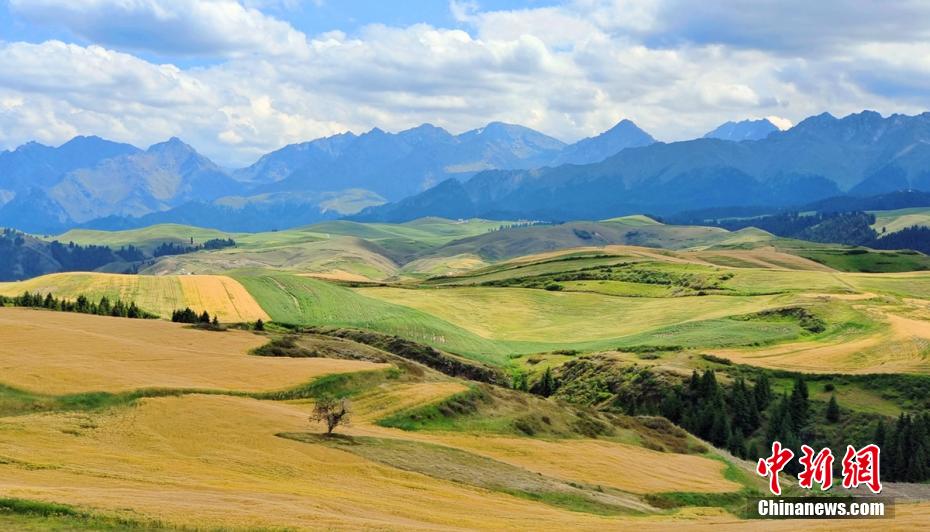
(887,222)
(306,301)
(867,261)
(146,238)
(348,249)
(531,320)
(28,515)
(618,288)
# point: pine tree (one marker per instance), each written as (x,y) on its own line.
(799,404)
(672,406)
(547,383)
(762,391)
(833,410)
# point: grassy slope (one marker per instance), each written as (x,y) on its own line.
(896,220)
(306,301)
(146,238)
(346,249)
(536,320)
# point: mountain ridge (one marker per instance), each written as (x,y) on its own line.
(90,181)
(823,156)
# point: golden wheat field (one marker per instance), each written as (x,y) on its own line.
(60,352)
(211,461)
(219,295)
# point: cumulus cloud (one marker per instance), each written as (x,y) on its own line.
(678,69)
(169,27)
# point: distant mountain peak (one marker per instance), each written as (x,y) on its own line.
(743,130)
(174,146)
(31,146)
(624,134)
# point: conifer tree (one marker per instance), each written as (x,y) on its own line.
(833,410)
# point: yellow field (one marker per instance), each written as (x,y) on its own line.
(230,299)
(760,257)
(218,295)
(61,352)
(454,265)
(618,465)
(902,346)
(208,461)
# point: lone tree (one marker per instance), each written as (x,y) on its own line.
(259,325)
(331,411)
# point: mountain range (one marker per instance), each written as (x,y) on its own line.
(498,171)
(823,156)
(97,183)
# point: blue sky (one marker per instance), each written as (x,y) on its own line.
(238,78)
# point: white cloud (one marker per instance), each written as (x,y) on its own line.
(780,122)
(570,71)
(223,28)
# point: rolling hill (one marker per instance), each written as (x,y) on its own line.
(143,423)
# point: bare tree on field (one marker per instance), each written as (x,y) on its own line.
(331,411)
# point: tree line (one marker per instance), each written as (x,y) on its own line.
(170,248)
(850,228)
(748,412)
(82,304)
(905,446)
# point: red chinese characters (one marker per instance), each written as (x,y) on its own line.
(861,467)
(817,468)
(772,465)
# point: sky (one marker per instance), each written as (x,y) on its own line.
(239,78)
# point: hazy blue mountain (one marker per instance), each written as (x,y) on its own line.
(743,130)
(264,212)
(499,171)
(35,165)
(279,164)
(821,157)
(624,135)
(164,176)
(89,178)
(395,165)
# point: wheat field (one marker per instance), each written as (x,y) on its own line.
(60,352)
(219,295)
